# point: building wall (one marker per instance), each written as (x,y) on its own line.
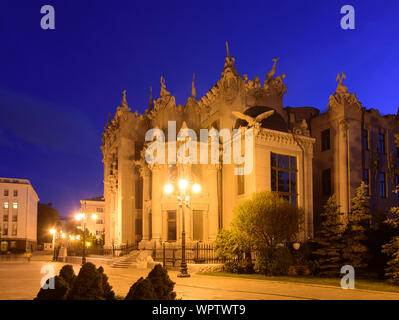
(21,213)
(90,207)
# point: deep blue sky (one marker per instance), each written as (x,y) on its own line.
(57,87)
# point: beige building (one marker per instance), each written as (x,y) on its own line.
(18,215)
(299,152)
(94,206)
(136,206)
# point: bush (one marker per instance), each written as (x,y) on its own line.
(109,294)
(157,286)
(141,290)
(68,274)
(59,293)
(91,284)
(162,284)
(274,261)
(239,266)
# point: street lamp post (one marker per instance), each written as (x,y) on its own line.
(82,216)
(183,200)
(53,232)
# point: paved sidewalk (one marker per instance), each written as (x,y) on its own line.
(21,280)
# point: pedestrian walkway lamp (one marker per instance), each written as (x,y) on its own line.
(83,217)
(53,232)
(183,198)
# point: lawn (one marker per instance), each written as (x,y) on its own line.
(375,285)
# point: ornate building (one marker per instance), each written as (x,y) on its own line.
(287,157)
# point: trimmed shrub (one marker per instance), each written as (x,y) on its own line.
(59,293)
(274,261)
(88,285)
(68,274)
(109,294)
(157,286)
(162,284)
(141,290)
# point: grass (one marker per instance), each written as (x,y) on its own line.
(373,285)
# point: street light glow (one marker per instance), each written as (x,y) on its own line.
(183,183)
(196,188)
(79,216)
(63,236)
(94,216)
(168,188)
(52,231)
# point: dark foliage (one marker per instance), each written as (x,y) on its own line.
(141,290)
(157,286)
(274,261)
(59,293)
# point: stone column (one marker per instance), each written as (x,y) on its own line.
(157,183)
(343,166)
(213,202)
(146,174)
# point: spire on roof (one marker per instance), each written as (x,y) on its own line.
(193,91)
(151,102)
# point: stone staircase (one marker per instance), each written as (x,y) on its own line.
(126,261)
(135,259)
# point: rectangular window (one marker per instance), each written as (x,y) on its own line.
(14,229)
(13,244)
(366,180)
(5,193)
(284,176)
(99,221)
(15,205)
(14,218)
(139,194)
(5,205)
(171,225)
(198,225)
(326,182)
(382,180)
(381,143)
(15,193)
(5,218)
(100,210)
(365,139)
(5,229)
(325,140)
(240,184)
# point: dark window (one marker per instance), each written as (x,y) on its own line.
(381,143)
(14,229)
(325,140)
(198,225)
(6,193)
(139,227)
(139,194)
(383,193)
(284,176)
(240,184)
(138,146)
(171,225)
(5,218)
(365,139)
(5,229)
(397,152)
(15,193)
(14,218)
(366,179)
(326,182)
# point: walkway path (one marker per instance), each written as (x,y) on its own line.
(21,280)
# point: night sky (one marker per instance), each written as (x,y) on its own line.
(58,86)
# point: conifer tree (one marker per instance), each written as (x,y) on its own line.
(359,221)
(391,249)
(330,239)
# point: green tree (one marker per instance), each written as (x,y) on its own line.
(227,244)
(266,220)
(330,239)
(359,221)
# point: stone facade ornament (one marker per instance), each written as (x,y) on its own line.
(341,96)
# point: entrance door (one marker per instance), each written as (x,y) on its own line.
(172,225)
